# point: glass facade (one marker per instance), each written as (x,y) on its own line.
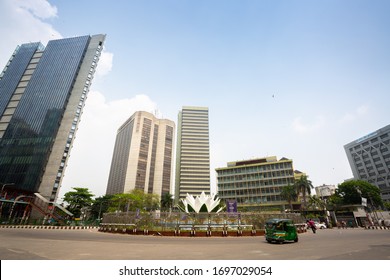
(14,71)
(45,78)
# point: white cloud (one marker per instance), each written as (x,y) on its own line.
(39,8)
(349,117)
(25,21)
(22,22)
(362,110)
(105,63)
(90,158)
(301,126)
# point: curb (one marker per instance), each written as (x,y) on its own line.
(49,227)
(378,227)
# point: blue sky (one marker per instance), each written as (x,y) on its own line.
(295,79)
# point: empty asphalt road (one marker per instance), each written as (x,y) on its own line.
(90,244)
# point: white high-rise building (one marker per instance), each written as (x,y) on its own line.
(369,158)
(193,152)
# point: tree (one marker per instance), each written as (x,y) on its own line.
(166,201)
(289,193)
(303,186)
(316,203)
(334,201)
(78,199)
(100,205)
(134,200)
(352,191)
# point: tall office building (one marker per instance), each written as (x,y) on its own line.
(193,152)
(42,94)
(369,158)
(143,156)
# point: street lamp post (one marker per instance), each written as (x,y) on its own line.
(13,205)
(3,196)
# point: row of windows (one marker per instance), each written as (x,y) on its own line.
(248,199)
(75,122)
(255,184)
(373,142)
(254,169)
(256,176)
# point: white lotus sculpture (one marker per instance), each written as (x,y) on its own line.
(196,203)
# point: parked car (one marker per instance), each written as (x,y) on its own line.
(320,225)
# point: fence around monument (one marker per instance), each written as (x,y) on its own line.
(173,221)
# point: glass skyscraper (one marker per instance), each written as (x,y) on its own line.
(42,94)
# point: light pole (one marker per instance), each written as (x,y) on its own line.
(1,194)
(3,186)
(13,205)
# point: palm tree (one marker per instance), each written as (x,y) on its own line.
(316,203)
(303,186)
(166,200)
(289,193)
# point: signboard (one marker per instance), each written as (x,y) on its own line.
(231,205)
(364,201)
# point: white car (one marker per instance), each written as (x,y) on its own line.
(320,225)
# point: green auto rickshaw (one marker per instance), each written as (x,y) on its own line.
(280,230)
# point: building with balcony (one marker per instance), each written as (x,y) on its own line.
(255,182)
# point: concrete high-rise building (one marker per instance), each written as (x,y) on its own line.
(193,152)
(369,158)
(255,182)
(143,156)
(42,94)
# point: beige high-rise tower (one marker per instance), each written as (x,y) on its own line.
(193,152)
(143,156)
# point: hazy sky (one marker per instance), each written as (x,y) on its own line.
(295,79)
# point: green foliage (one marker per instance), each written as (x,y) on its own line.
(78,199)
(316,203)
(303,186)
(166,201)
(100,205)
(134,200)
(386,205)
(334,201)
(349,193)
(289,193)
